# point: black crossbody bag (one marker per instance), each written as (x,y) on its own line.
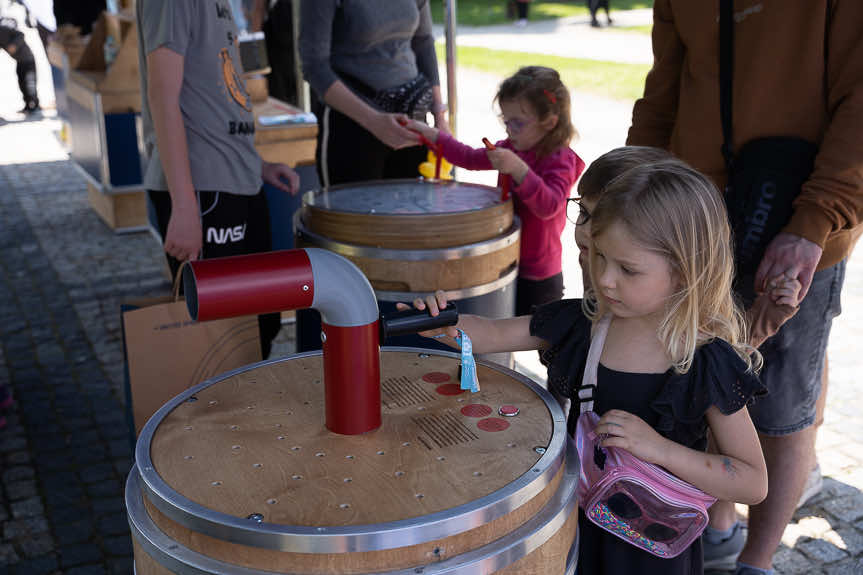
(764,176)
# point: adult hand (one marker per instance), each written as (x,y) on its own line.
(389,129)
(183,239)
(630,432)
(792,256)
(281,176)
(506,162)
(427,131)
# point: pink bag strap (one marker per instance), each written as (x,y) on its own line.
(587,391)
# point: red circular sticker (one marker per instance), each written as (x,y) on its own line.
(449,389)
(476,410)
(493,424)
(436,377)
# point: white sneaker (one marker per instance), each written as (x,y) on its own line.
(814,483)
(521,23)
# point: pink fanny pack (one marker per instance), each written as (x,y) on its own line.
(637,501)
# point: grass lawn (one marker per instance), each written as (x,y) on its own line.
(614,80)
(487,12)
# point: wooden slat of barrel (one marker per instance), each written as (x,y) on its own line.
(407,214)
(375,561)
(411,231)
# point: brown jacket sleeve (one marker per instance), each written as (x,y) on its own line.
(831,201)
(654,114)
(765,318)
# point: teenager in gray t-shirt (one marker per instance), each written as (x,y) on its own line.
(203,175)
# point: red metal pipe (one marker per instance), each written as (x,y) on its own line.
(353,404)
(246,285)
(297,279)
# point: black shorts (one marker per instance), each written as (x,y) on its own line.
(232,225)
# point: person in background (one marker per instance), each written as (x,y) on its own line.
(521,7)
(537,161)
(41,15)
(370,64)
(12,40)
(204,175)
(594,6)
(680,111)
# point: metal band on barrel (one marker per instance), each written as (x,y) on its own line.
(491,557)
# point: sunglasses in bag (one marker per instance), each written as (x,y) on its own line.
(637,501)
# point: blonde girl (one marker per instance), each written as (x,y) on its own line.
(675,361)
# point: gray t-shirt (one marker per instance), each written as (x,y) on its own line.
(382,43)
(216,108)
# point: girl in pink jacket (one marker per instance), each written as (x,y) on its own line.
(541,168)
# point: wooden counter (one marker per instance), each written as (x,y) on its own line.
(291,144)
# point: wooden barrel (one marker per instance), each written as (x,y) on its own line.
(411,236)
(239,476)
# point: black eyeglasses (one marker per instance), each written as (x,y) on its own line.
(576,212)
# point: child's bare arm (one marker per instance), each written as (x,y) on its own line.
(487,335)
(736,473)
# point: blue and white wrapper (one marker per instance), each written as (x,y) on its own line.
(469,380)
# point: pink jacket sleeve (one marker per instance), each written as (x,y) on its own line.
(461,155)
(546,186)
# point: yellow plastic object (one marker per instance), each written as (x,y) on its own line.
(427,167)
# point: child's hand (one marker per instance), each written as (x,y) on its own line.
(506,162)
(427,131)
(784,290)
(631,433)
(434,303)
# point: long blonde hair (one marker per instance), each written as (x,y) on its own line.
(673,210)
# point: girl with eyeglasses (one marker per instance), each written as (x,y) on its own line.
(675,362)
(540,167)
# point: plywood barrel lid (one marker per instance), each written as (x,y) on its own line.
(407,214)
(254,443)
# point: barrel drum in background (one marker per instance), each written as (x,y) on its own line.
(413,237)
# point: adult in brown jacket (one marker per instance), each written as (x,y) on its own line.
(780,67)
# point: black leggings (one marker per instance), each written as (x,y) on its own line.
(521,7)
(532,293)
(347,152)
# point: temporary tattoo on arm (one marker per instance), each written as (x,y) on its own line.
(729,467)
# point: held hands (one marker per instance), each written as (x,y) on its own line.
(281,176)
(783,290)
(391,130)
(630,432)
(427,131)
(434,303)
(790,256)
(506,162)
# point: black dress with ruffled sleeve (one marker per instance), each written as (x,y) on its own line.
(673,404)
